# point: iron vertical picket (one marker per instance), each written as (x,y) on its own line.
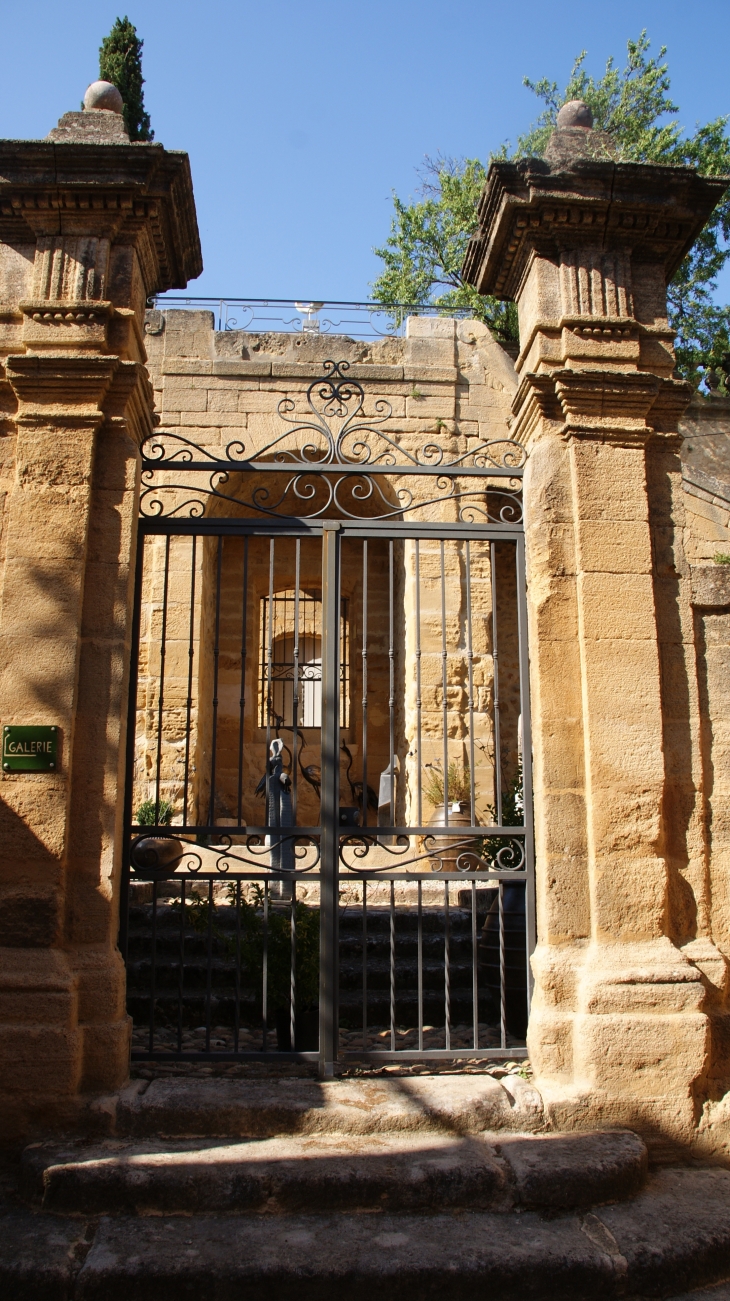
(330,800)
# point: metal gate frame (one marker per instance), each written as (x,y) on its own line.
(461,479)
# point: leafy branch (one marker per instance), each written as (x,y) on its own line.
(424,251)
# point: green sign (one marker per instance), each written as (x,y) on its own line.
(30,749)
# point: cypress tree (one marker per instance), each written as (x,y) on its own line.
(120,62)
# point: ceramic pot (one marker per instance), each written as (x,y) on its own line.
(154,858)
(445,848)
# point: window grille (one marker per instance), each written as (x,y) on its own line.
(291,657)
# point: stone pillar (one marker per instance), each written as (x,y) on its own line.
(619,1030)
(90,226)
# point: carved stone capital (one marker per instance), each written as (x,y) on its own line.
(60,391)
(140,195)
(128,402)
(613,406)
(605,401)
(589,215)
(63,325)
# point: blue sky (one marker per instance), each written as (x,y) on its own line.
(301,117)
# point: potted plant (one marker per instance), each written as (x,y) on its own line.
(458,793)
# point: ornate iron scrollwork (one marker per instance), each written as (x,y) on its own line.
(332,459)
(354,851)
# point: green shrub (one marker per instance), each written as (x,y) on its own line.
(146,814)
(459,783)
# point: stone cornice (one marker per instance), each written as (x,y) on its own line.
(126,193)
(609,405)
(63,389)
(129,400)
(82,392)
(525,207)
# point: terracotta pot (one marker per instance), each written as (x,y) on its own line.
(448,848)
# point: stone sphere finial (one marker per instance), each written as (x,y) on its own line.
(103,95)
(575,113)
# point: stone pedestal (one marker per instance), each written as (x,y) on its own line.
(625,966)
(88,231)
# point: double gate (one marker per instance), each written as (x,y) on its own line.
(328,817)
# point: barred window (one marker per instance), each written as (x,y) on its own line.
(290,679)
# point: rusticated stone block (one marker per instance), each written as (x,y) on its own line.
(711,586)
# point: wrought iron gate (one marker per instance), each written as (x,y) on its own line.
(328,812)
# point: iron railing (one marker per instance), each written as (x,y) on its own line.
(428,968)
(292,316)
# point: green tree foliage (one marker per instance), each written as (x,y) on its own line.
(120,61)
(425,249)
(427,243)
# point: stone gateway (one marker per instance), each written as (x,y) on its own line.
(201,599)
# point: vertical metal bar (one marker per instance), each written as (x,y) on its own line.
(419,751)
(153,970)
(330,801)
(237,1012)
(364,684)
(131,741)
(447,968)
(216,659)
(293,968)
(530,920)
(365,965)
(444,687)
(502,1000)
(269,668)
(181,966)
(344,684)
(295,684)
(242,700)
(189,698)
(420,965)
(209,967)
(392,966)
(495,679)
(470,672)
(474,978)
(391,688)
(265,973)
(160,705)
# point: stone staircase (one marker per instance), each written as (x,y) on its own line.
(223,974)
(396,1186)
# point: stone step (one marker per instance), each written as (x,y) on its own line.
(235,1109)
(402,1172)
(674,1236)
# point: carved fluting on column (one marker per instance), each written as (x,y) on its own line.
(621,1026)
(88,230)
(593,283)
(70,267)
